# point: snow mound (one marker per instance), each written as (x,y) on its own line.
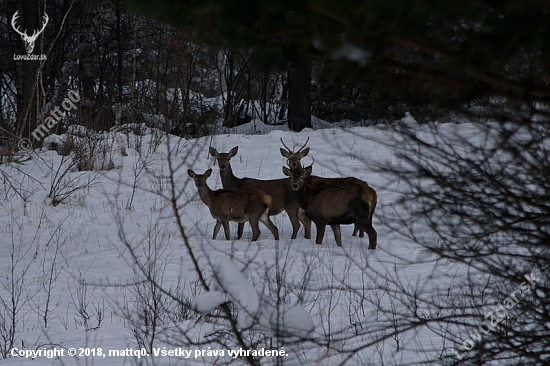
(208,301)
(292,322)
(409,120)
(234,284)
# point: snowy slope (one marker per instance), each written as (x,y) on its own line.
(77,283)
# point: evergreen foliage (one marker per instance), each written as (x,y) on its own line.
(443,52)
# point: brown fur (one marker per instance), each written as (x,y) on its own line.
(279,190)
(329,205)
(294,162)
(242,206)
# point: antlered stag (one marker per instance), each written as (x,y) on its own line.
(279,190)
(334,205)
(243,206)
(294,162)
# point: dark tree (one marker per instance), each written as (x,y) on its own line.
(299,95)
(442,54)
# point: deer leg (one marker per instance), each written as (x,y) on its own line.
(305,221)
(255,229)
(240,230)
(362,214)
(373,237)
(269,224)
(216,229)
(293,216)
(372,234)
(337,234)
(226,230)
(320,232)
(356,229)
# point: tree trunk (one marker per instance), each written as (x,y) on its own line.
(299,96)
(120,51)
(86,66)
(227,86)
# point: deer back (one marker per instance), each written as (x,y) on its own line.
(279,190)
(230,205)
(238,205)
(316,183)
(329,197)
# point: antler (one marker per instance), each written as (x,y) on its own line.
(304,145)
(13,19)
(292,151)
(286,147)
(310,165)
(300,166)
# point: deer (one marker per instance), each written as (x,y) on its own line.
(29,40)
(279,190)
(334,206)
(242,206)
(294,162)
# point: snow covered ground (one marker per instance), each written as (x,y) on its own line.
(70,281)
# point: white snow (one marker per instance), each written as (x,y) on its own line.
(74,263)
(236,286)
(208,301)
(295,321)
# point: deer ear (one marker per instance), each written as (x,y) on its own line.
(304,153)
(307,171)
(191,173)
(233,151)
(286,171)
(207,173)
(213,152)
(285,153)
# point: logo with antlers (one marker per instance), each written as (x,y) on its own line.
(29,40)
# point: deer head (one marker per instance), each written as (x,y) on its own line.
(200,179)
(298,175)
(29,40)
(223,158)
(293,158)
